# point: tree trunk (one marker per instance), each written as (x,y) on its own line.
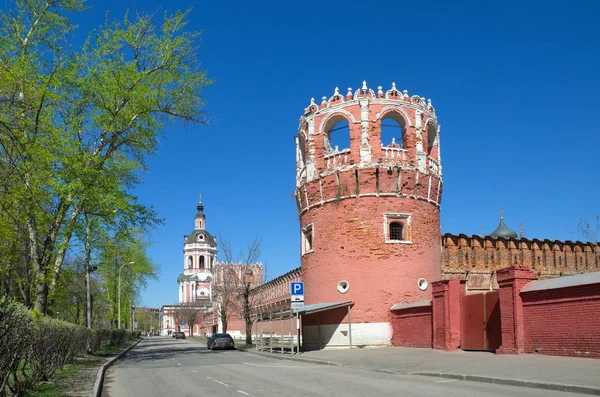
(41,297)
(224,322)
(248,332)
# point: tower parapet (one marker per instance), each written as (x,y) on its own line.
(364,110)
(368,191)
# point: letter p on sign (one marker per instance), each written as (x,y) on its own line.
(297,288)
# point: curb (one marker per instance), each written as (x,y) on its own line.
(97,391)
(470,378)
(516,382)
(279,356)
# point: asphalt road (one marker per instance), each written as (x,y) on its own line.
(161,366)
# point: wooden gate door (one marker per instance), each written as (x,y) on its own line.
(480,321)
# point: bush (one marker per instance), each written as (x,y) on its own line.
(55,344)
(33,347)
(16,323)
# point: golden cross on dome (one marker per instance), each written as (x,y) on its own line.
(501,217)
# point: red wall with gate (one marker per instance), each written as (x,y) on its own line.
(555,317)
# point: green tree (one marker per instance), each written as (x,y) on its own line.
(122,248)
(76,124)
(146,321)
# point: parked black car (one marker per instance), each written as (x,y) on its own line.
(220,341)
(178,335)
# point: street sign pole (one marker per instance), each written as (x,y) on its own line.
(297,304)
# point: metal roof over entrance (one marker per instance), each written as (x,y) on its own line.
(320,307)
(281,315)
(308,309)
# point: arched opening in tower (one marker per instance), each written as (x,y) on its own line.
(337,135)
(432,142)
(393,128)
(302,148)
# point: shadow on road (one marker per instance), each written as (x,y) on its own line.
(161,349)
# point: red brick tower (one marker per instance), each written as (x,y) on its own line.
(369,208)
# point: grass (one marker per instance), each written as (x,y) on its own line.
(51,389)
(77,378)
(109,349)
(46,390)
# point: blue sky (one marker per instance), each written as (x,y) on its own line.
(515,86)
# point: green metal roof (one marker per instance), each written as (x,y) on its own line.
(192,238)
(504,231)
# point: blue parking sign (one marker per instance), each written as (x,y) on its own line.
(297,288)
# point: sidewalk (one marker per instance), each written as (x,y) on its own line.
(576,375)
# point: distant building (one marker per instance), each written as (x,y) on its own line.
(201,284)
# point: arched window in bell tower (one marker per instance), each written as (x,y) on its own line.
(190,262)
(337,135)
(432,142)
(302,148)
(202,262)
(393,128)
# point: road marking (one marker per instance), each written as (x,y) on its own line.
(218,381)
(193,371)
(179,364)
(281,366)
(446,381)
(244,393)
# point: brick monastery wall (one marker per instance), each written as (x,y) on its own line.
(412,327)
(477,258)
(563,321)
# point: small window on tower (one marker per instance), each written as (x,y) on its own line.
(190,262)
(201,262)
(397,228)
(307,239)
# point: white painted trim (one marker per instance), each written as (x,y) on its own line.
(411,196)
(404,305)
(391,109)
(336,112)
(563,282)
(407,225)
(338,335)
(303,231)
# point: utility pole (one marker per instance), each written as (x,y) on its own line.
(119,303)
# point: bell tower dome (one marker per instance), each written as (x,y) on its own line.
(368,191)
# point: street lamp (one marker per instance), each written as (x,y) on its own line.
(89,269)
(121,268)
